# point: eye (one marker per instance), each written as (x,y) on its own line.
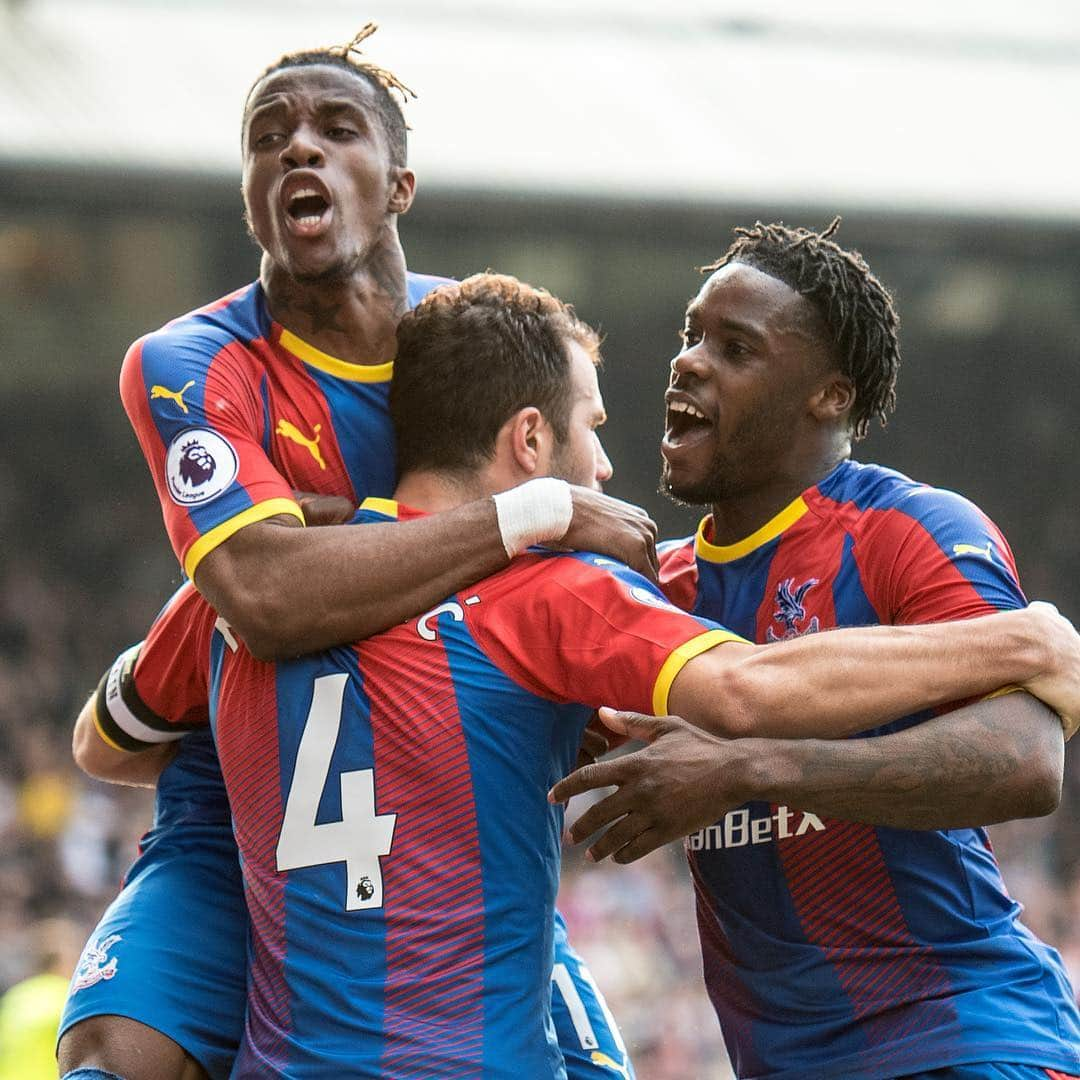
(689,336)
(266,139)
(339,131)
(736,350)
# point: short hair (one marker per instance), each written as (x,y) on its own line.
(856,309)
(381,81)
(471,355)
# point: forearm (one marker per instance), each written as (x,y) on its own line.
(288,590)
(101,761)
(984,763)
(833,684)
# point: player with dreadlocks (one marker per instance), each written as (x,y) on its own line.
(866,934)
(280,387)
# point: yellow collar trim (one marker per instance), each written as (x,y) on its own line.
(341,369)
(389,507)
(769,531)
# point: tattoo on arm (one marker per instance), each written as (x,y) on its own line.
(973,767)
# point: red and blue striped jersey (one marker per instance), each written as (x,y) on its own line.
(842,950)
(233,413)
(389,798)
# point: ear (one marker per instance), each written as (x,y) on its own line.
(402,190)
(833,399)
(524,443)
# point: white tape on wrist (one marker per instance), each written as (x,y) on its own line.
(537,512)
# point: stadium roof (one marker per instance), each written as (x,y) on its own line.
(927,106)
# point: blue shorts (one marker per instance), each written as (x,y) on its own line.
(588,1035)
(170,952)
(990,1071)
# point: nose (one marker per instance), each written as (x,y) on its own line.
(604,468)
(302,151)
(687,362)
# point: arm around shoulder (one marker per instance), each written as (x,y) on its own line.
(834,684)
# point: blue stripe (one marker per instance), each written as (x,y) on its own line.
(337,978)
(518,746)
(419,285)
(731,593)
(850,602)
(268,427)
(360,414)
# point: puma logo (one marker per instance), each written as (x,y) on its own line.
(971,549)
(288,430)
(173,395)
(600,1058)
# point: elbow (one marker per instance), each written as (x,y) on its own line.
(1034,786)
(1039,793)
(266,633)
(262,616)
(80,750)
(90,754)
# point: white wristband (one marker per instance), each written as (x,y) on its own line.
(537,512)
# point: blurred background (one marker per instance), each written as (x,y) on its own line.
(604,149)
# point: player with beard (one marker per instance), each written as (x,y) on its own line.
(846,945)
(282,386)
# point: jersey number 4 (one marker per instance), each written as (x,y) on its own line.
(362,836)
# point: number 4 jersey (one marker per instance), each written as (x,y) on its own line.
(400,858)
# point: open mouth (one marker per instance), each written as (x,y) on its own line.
(686,424)
(308,210)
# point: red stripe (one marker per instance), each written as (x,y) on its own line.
(248,752)
(434,905)
(933,587)
(841,890)
(798,560)
(295,396)
(679,575)
(731,998)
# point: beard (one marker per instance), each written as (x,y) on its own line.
(735,467)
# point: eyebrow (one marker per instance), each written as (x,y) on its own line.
(279,101)
(739,327)
(343,105)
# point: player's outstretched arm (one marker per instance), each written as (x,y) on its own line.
(102,761)
(992,761)
(288,590)
(837,683)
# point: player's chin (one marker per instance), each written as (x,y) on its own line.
(690,484)
(684,464)
(313,267)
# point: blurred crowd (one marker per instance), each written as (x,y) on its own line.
(65,841)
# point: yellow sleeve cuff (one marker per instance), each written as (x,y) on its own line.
(1069,725)
(103,734)
(679,659)
(220,533)
(1002,692)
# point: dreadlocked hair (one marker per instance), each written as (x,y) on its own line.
(383,82)
(857,309)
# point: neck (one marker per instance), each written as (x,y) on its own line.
(742,514)
(434,492)
(353,318)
